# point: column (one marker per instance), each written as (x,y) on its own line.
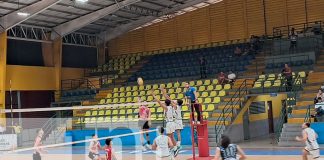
(3,65)
(57,52)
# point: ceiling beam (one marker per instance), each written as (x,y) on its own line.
(82,21)
(10,20)
(115,32)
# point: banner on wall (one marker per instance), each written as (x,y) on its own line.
(8,141)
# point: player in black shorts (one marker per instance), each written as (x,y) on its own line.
(144,123)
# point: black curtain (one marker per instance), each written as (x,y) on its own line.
(79,56)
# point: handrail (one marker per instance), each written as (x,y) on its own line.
(299,27)
(235,99)
(281,120)
(308,115)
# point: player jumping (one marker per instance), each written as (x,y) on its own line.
(309,137)
(169,117)
(94,148)
(144,124)
(178,118)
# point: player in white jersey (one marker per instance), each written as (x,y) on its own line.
(178,119)
(169,117)
(309,137)
(162,144)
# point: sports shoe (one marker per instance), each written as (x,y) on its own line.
(176,152)
(144,148)
(147,146)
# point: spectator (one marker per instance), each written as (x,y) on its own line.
(222,78)
(231,77)
(237,51)
(293,40)
(288,75)
(203,68)
(246,51)
(319,111)
(18,129)
(318,95)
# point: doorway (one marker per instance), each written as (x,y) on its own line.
(270,117)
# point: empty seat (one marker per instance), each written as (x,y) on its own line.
(218,87)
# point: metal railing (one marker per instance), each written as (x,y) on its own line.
(281,121)
(81,83)
(308,115)
(229,112)
(283,31)
(52,126)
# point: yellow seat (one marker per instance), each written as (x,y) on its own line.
(199,83)
(177,84)
(172,96)
(129,99)
(210,107)
(257,85)
(180,96)
(207,82)
(88,113)
(201,100)
(122,119)
(203,107)
(128,88)
(210,88)
(115,112)
(115,90)
(109,95)
(135,111)
(122,89)
(293,74)
(143,98)
(169,85)
(192,83)
(227,86)
(87,120)
(262,77)
(152,110)
(93,120)
(122,94)
(277,83)
(101,113)
(216,100)
(155,86)
(212,94)
(114,119)
(153,117)
(160,109)
(102,101)
(148,87)
(108,112)
(116,95)
(205,115)
(178,90)
(280,76)
(267,84)
(221,93)
(171,90)
(141,88)
(128,94)
(129,111)
(100,120)
(186,116)
(142,93)
(202,88)
(135,93)
(122,111)
(218,87)
(150,98)
(204,94)
(134,88)
(160,117)
(207,100)
(302,74)
(122,100)
(271,77)
(162,85)
(135,99)
(215,81)
(184,108)
(116,100)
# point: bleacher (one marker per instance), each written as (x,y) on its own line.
(210,93)
(78,95)
(186,63)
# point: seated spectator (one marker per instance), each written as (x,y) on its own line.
(237,51)
(319,111)
(289,111)
(319,94)
(231,77)
(246,51)
(222,78)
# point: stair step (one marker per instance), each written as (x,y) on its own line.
(298,120)
(304,103)
(232,106)
(213,123)
(222,115)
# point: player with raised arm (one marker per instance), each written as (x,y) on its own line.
(178,118)
(94,148)
(37,144)
(144,124)
(168,108)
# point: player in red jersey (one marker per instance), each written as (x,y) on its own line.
(110,155)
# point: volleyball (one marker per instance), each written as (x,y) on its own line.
(140,81)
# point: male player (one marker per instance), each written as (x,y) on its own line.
(163,145)
(192,95)
(94,148)
(169,117)
(110,154)
(37,144)
(144,123)
(178,118)
(309,137)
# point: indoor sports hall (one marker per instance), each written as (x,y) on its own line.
(161,79)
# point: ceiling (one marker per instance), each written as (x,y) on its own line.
(60,13)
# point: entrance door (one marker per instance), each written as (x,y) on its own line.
(270,117)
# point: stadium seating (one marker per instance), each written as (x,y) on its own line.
(210,94)
(186,63)
(275,82)
(78,95)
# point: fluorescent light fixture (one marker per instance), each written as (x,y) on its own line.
(81,1)
(25,14)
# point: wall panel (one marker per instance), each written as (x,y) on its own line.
(218,26)
(168,36)
(183,26)
(296,11)
(255,17)
(276,14)
(124,43)
(137,41)
(235,19)
(315,10)
(152,37)
(200,26)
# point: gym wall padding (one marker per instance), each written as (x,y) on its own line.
(79,56)
(319,129)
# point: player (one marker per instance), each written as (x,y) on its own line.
(178,118)
(37,144)
(110,154)
(169,117)
(94,148)
(162,144)
(228,151)
(144,124)
(309,137)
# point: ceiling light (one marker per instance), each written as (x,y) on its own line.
(25,14)
(81,1)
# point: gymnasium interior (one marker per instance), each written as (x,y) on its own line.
(71,68)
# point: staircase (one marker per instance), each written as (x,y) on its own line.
(257,66)
(227,110)
(288,134)
(56,136)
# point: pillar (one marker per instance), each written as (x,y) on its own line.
(57,52)
(3,64)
